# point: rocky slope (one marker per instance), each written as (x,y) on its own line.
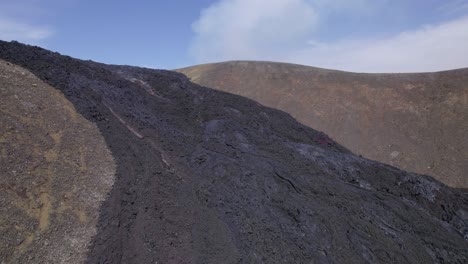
(417,122)
(204,176)
(55,170)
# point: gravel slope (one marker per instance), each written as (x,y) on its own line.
(55,171)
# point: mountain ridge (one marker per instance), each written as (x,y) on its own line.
(313,67)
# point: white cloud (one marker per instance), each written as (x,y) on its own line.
(251,29)
(355,6)
(19,20)
(431,48)
(283,30)
(12,30)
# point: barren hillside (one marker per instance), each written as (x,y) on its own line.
(197,175)
(417,122)
(55,170)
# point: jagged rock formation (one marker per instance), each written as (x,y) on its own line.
(417,122)
(204,176)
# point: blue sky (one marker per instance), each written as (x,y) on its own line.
(353,35)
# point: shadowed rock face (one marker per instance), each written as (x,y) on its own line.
(204,176)
(417,122)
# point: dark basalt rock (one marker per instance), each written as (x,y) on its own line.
(210,177)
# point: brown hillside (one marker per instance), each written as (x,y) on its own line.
(417,122)
(55,170)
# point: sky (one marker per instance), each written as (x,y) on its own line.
(351,35)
